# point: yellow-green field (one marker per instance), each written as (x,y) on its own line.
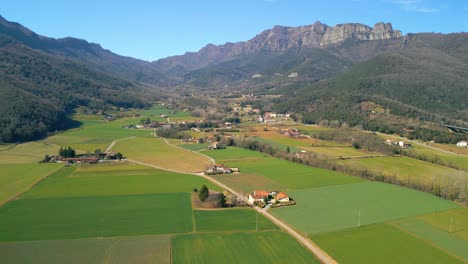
(381,243)
(29,152)
(96,134)
(410,170)
(339,152)
(447,230)
(155,151)
(15,179)
(132,249)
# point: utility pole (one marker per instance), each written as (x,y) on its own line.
(359,218)
(256,221)
(451,224)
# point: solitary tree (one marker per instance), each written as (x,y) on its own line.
(119,155)
(203,193)
(221,201)
(97,153)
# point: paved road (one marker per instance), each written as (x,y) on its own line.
(318,252)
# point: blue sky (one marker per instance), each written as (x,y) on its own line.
(155,29)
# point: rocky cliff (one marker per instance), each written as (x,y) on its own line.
(279,39)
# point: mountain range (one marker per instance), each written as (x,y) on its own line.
(314,69)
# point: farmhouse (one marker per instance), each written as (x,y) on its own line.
(258,196)
(217,145)
(462,144)
(282,197)
(79,160)
(219,169)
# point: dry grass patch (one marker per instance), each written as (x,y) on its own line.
(155,151)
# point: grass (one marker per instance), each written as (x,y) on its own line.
(459,161)
(441,220)
(333,208)
(337,152)
(194,147)
(81,217)
(231,219)
(274,135)
(94,134)
(443,239)
(258,247)
(289,174)
(136,249)
(30,152)
(113,179)
(411,170)
(156,152)
(15,179)
(246,182)
(380,243)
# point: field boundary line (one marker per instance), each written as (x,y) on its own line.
(196,152)
(311,246)
(427,241)
(14,197)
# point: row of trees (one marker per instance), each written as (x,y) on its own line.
(452,192)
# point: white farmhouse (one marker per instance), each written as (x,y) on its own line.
(462,144)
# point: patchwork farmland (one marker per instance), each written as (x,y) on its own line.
(127,212)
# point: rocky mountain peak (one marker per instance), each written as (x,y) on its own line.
(342,32)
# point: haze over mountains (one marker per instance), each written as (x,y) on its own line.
(315,68)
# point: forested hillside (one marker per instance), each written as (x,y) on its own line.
(39,89)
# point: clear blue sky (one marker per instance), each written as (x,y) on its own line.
(155,29)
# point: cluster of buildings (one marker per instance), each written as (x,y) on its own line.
(268,197)
(110,155)
(400,143)
(270,117)
(291,132)
(462,144)
(221,169)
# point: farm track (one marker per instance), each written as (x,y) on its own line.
(109,148)
(311,246)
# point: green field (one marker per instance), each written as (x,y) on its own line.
(15,179)
(411,170)
(289,174)
(81,217)
(95,134)
(247,182)
(460,161)
(136,249)
(156,152)
(30,152)
(255,247)
(449,242)
(195,146)
(442,221)
(333,208)
(338,152)
(380,243)
(231,219)
(109,179)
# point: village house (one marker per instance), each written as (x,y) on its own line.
(216,145)
(258,196)
(272,197)
(282,197)
(78,160)
(402,144)
(219,169)
(462,144)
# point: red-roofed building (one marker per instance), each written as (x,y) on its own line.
(282,197)
(258,196)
